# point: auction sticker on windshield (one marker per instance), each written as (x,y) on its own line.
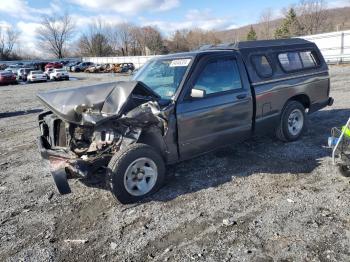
(180,62)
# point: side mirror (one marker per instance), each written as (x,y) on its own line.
(197,93)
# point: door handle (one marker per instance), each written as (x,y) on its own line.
(241,96)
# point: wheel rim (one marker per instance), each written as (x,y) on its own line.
(295,122)
(140,176)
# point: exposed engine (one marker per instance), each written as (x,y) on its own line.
(91,141)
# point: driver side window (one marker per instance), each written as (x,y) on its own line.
(218,76)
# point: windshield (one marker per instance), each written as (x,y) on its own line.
(163,76)
(37,72)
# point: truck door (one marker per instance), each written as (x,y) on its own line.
(223,115)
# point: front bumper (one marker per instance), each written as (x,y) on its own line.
(41,79)
(57,164)
(62,77)
(64,165)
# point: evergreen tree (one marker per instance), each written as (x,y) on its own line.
(290,26)
(251,36)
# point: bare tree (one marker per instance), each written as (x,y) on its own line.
(96,42)
(178,42)
(55,33)
(146,40)
(185,40)
(152,39)
(113,33)
(128,39)
(312,16)
(124,32)
(198,37)
(8,39)
(265,20)
(137,41)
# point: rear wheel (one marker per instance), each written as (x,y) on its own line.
(135,173)
(292,123)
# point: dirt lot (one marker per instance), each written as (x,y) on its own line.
(262,200)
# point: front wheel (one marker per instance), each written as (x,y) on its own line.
(135,173)
(292,123)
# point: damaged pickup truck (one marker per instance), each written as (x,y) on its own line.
(178,107)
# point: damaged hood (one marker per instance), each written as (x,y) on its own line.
(92,104)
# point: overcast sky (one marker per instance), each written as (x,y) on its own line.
(167,15)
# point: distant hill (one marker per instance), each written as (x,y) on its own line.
(338,19)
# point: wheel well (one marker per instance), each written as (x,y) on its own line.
(153,138)
(303,99)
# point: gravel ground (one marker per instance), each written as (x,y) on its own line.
(262,200)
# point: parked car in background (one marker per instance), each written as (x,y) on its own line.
(69,66)
(59,74)
(18,65)
(7,77)
(127,68)
(95,68)
(30,65)
(54,65)
(13,68)
(14,71)
(40,66)
(22,73)
(81,67)
(48,71)
(36,76)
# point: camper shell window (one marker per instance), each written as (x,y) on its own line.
(298,60)
(262,66)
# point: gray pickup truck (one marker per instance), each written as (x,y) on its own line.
(180,106)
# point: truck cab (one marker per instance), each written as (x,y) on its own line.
(180,106)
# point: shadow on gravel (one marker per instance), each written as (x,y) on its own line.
(20,113)
(263,155)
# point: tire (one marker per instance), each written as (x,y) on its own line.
(286,131)
(344,170)
(120,170)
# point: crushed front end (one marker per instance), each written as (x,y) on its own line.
(81,136)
